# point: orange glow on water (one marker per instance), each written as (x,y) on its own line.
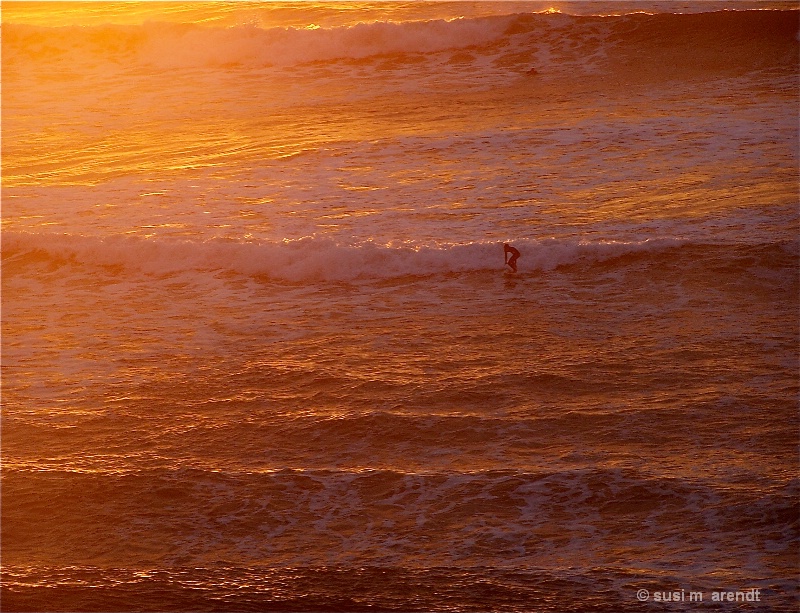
(226,13)
(97,13)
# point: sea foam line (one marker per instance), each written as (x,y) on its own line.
(310,258)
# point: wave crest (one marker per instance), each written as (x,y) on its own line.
(537,36)
(323,259)
(170,45)
(308,259)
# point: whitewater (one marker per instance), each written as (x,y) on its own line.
(260,350)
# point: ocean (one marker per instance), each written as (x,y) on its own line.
(261,350)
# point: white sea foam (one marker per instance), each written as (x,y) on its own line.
(576,42)
(168,45)
(238,332)
(314,259)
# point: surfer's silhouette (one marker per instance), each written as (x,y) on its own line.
(511,261)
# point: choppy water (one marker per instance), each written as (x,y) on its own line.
(260,352)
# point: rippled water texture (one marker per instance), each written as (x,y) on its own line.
(260,350)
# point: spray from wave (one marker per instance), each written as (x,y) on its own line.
(322,259)
(717,39)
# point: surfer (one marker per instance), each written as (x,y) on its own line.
(511,261)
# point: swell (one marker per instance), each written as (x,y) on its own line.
(296,517)
(322,259)
(707,41)
(247,438)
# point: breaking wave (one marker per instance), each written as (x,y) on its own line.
(322,259)
(718,38)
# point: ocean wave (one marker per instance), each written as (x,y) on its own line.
(372,516)
(261,588)
(170,45)
(530,38)
(323,259)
